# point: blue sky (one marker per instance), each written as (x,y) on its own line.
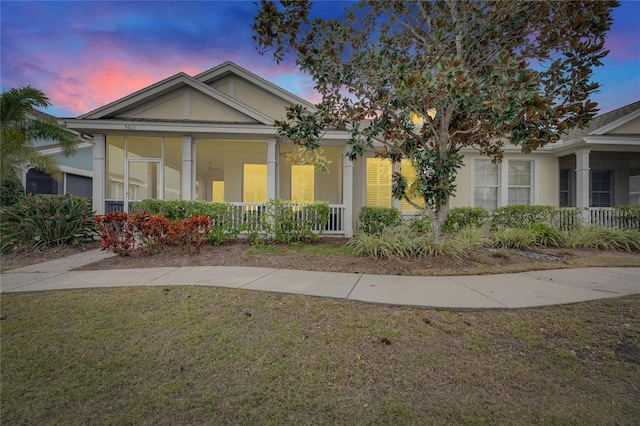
(86,54)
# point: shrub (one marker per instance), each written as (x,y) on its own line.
(375,220)
(386,245)
(548,236)
(11,191)
(191,233)
(516,238)
(142,232)
(116,233)
(602,238)
(39,221)
(628,217)
(521,216)
(420,224)
(287,222)
(462,217)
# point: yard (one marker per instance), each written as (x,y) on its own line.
(217,356)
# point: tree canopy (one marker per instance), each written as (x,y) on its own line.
(21,127)
(427,78)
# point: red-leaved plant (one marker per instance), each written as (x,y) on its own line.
(115,232)
(125,234)
(192,233)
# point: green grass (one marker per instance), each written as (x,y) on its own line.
(195,355)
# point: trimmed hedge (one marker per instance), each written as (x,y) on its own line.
(375,220)
(465,217)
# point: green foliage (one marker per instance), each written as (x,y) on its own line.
(287,222)
(398,244)
(548,236)
(11,190)
(463,217)
(467,75)
(628,217)
(515,238)
(376,220)
(603,238)
(420,224)
(20,125)
(222,227)
(521,216)
(39,221)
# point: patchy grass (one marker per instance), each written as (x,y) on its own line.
(193,355)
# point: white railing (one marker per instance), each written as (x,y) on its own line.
(606,216)
(248,215)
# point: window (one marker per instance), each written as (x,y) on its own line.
(302,183)
(409,172)
(601,185)
(519,179)
(485,191)
(565,193)
(378,182)
(217,191)
(254,189)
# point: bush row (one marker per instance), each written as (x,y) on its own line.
(378,220)
(37,221)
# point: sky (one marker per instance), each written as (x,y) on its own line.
(86,54)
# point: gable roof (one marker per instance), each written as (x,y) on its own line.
(606,122)
(166,86)
(230,68)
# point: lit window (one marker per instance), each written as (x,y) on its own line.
(519,182)
(378,182)
(409,173)
(217,191)
(485,184)
(255,183)
(302,183)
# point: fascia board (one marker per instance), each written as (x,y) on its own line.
(58,149)
(119,126)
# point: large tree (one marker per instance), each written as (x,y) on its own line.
(427,78)
(21,126)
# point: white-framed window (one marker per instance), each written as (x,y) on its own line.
(504,184)
(601,188)
(486,184)
(520,181)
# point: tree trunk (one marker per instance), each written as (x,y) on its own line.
(437,220)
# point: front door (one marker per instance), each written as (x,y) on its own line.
(143,180)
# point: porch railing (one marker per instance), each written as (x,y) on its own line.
(248,215)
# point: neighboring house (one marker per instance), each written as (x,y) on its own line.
(76,170)
(212,137)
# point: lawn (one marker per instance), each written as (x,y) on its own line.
(191,355)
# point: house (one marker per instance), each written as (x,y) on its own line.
(76,171)
(212,137)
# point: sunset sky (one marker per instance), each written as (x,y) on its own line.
(86,54)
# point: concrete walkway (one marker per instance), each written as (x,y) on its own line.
(527,289)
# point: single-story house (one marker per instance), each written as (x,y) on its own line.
(76,170)
(212,137)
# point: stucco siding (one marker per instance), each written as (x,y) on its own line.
(462,197)
(546,178)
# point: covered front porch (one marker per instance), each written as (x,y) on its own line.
(244,172)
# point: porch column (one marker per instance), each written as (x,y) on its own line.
(395,203)
(271,169)
(188,181)
(582,182)
(347,195)
(98,181)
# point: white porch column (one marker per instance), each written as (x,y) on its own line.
(188,181)
(271,169)
(395,203)
(99,183)
(347,195)
(582,182)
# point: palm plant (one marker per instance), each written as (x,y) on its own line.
(21,126)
